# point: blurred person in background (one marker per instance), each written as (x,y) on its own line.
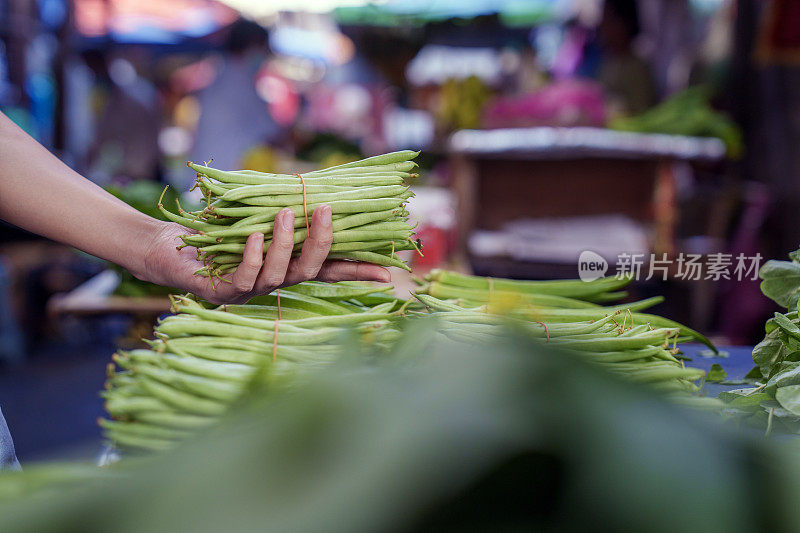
(126,132)
(233,118)
(41,194)
(626,78)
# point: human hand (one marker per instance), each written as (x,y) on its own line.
(257,274)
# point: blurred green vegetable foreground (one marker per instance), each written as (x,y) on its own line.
(204,358)
(435,435)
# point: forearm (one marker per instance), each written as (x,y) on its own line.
(42,195)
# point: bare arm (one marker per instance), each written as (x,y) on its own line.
(41,194)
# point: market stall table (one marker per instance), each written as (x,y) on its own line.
(506,174)
(95,298)
(737,361)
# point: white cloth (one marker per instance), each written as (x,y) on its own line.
(8,458)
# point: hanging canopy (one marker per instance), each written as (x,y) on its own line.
(392,12)
(150,21)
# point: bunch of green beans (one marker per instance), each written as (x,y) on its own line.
(552,301)
(567,314)
(367,198)
(204,358)
(478,289)
(642,354)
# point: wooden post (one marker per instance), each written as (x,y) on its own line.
(465,185)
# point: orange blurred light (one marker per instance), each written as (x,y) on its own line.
(95,18)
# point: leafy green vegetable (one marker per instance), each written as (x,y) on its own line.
(688,112)
(716,374)
(789,375)
(754,374)
(744,398)
(777,402)
(783,322)
(781,282)
(772,323)
(770,351)
(789,398)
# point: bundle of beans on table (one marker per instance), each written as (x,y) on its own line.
(551,301)
(204,358)
(637,346)
(367,199)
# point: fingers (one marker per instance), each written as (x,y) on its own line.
(259,274)
(315,249)
(244,278)
(278,255)
(351,271)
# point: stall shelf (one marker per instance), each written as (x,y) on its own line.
(507,174)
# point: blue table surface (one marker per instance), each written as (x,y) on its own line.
(737,361)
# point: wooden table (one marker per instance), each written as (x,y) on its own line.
(506,174)
(95,298)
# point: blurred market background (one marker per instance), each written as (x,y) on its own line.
(547,127)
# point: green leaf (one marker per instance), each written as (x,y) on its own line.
(755,373)
(789,374)
(769,352)
(781,282)
(786,325)
(789,398)
(791,342)
(716,374)
(744,402)
(791,358)
(771,324)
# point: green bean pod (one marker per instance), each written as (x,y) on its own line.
(144,430)
(360,193)
(345,222)
(371,257)
(175,420)
(135,442)
(383,159)
(337,207)
(566,288)
(181,400)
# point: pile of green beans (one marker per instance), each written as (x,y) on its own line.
(367,199)
(204,358)
(567,314)
(478,289)
(551,301)
(642,354)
